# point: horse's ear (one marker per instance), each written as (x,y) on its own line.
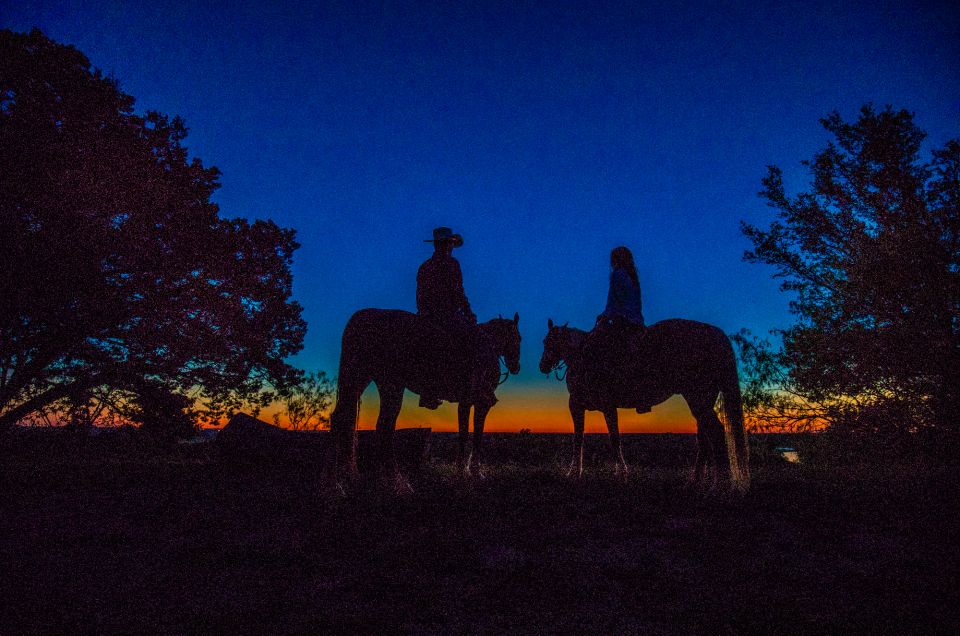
(549,323)
(516,317)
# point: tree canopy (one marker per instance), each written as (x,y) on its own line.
(116,269)
(871,254)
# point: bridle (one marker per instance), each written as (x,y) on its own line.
(502,368)
(560,368)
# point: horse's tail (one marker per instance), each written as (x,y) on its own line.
(350,385)
(737,449)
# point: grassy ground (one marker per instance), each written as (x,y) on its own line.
(95,540)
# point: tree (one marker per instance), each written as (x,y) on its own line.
(871,253)
(116,269)
(306,405)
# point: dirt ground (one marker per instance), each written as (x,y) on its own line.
(94,540)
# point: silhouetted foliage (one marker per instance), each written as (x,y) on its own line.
(871,252)
(307,404)
(116,269)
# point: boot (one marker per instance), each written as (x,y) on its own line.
(430,402)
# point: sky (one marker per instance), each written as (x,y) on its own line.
(546,133)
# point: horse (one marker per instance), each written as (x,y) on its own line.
(396,350)
(676,356)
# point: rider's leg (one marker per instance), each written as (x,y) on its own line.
(438,346)
(486,372)
(633,342)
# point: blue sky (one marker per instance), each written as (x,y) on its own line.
(546,133)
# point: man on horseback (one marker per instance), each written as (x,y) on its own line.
(614,342)
(442,301)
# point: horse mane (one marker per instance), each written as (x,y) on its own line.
(496,324)
(579,335)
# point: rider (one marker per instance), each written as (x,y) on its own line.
(441,299)
(621,321)
(623,297)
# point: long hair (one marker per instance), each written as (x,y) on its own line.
(622,258)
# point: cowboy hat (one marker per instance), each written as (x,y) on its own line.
(441,234)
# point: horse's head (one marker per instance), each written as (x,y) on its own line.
(551,357)
(559,345)
(505,334)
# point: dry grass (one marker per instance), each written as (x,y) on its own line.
(132,540)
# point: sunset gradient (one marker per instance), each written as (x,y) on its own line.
(546,133)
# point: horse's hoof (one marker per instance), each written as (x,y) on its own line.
(621,470)
(699,482)
(713,488)
(739,487)
(334,488)
(398,484)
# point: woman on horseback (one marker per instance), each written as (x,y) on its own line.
(623,296)
(611,343)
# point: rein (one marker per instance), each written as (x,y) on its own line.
(559,367)
(505,373)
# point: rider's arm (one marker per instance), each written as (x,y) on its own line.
(616,295)
(623,301)
(422,284)
(460,296)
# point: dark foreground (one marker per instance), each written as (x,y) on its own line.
(95,540)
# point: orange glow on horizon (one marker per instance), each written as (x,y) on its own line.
(540,412)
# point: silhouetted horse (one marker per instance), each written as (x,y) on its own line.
(675,356)
(397,350)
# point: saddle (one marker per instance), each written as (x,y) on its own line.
(441,344)
(450,355)
(613,360)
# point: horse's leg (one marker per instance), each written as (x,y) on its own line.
(703,455)
(479,418)
(463,421)
(613,428)
(343,429)
(391,399)
(711,429)
(577,413)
